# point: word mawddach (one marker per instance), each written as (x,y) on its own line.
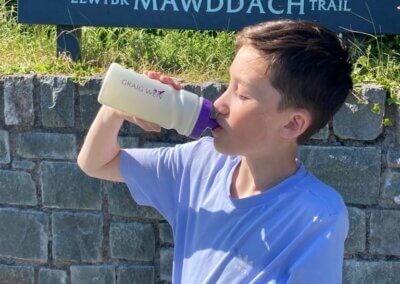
(366,16)
(229,6)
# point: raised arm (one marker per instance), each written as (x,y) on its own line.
(99,156)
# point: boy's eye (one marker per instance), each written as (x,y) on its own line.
(243,97)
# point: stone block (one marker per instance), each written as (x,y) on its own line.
(89,106)
(385,232)
(26,234)
(390,193)
(166,259)
(353,171)
(101,274)
(77,237)
(121,203)
(1,101)
(135,274)
(393,158)
(397,124)
(195,89)
(212,90)
(371,272)
(356,238)
(23,165)
(57,99)
(46,145)
(131,129)
(5,156)
(90,87)
(150,144)
(166,235)
(64,185)
(132,241)
(322,134)
(128,142)
(17,188)
(16,274)
(52,276)
(18,100)
(356,120)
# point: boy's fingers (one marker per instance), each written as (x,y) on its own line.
(154,75)
(176,85)
(162,78)
(168,80)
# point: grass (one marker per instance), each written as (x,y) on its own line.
(377,60)
(194,56)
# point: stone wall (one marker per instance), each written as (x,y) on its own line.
(60,226)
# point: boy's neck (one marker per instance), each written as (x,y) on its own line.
(255,175)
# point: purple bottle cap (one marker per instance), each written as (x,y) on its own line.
(204,120)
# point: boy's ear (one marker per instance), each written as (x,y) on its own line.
(298,121)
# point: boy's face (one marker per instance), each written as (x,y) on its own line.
(248,110)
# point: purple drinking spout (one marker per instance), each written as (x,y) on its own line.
(204,120)
(212,123)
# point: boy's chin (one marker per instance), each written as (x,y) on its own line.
(223,149)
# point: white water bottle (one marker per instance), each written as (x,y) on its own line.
(156,102)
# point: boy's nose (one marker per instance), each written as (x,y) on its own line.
(220,105)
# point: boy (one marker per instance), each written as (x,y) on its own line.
(242,208)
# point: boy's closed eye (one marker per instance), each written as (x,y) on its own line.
(243,97)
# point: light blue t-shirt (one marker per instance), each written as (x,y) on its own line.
(291,233)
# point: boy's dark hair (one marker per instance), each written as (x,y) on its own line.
(307,64)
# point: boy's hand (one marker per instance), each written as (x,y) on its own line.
(145,125)
(162,78)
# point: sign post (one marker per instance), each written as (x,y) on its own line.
(69,41)
(365,16)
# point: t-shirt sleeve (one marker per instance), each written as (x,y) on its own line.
(322,252)
(153,177)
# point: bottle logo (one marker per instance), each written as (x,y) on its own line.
(155,93)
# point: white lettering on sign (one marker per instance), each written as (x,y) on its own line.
(196,5)
(329,5)
(291,7)
(146,4)
(215,9)
(169,2)
(256,3)
(102,2)
(272,9)
(230,10)
(292,3)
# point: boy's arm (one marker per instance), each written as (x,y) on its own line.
(99,156)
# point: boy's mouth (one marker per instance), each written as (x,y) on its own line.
(217,125)
(216,129)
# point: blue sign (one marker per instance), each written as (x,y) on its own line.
(371,16)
